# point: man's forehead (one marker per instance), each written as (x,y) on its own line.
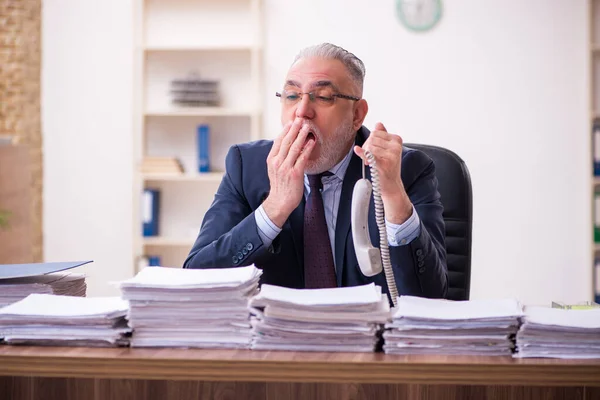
(317,72)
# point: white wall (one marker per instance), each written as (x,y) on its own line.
(502,83)
(87,82)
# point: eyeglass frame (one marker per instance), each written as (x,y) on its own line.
(311,96)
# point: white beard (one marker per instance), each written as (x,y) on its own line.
(332,150)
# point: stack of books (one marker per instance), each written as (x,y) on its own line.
(338,319)
(195,92)
(434,326)
(162,165)
(45,319)
(558,333)
(66,284)
(207,308)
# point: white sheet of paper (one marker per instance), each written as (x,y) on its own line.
(48,305)
(346,296)
(162,277)
(439,309)
(555,316)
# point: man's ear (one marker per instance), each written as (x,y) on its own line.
(361,108)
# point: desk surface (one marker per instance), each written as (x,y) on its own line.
(279,366)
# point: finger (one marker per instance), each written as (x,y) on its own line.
(381,135)
(278,139)
(289,138)
(379,127)
(361,152)
(298,145)
(305,154)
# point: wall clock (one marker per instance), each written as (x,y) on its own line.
(419,15)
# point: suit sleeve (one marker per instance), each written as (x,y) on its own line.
(420,267)
(229,235)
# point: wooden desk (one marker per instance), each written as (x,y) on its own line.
(89,373)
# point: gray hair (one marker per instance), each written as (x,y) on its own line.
(329,51)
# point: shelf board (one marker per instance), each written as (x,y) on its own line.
(201,47)
(201,112)
(204,177)
(167,242)
(596,180)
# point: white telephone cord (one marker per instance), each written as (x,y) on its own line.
(380,220)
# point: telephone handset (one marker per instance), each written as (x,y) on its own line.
(370,259)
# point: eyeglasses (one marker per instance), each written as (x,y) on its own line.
(323,97)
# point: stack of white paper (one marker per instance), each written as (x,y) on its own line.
(60,283)
(337,319)
(558,333)
(47,319)
(434,326)
(175,307)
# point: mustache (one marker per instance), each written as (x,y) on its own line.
(314,129)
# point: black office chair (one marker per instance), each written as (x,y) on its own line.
(454,185)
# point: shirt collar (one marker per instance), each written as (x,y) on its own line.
(338,170)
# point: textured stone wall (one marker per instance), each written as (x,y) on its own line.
(20,59)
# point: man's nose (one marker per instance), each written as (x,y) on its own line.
(305,107)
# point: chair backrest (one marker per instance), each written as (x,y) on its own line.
(454,185)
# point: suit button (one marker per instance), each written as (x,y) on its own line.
(235,260)
(419,252)
(421,270)
(421,263)
(420,258)
(249,247)
(244,251)
(240,256)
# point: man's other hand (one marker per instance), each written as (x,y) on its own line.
(387,150)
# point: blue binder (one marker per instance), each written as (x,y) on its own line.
(150,209)
(203,148)
(596,146)
(597,280)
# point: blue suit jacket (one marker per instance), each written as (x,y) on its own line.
(229,235)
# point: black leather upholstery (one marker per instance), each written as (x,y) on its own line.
(455,188)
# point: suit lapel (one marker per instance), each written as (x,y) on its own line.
(296,221)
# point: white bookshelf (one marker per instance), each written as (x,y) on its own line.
(168,242)
(216,40)
(594,68)
(210,177)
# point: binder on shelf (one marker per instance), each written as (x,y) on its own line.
(203,148)
(150,209)
(148,261)
(154,261)
(597,216)
(596,145)
(597,280)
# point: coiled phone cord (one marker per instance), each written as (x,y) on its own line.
(380,220)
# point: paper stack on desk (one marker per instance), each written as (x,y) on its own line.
(45,319)
(557,333)
(434,326)
(60,283)
(337,319)
(171,307)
